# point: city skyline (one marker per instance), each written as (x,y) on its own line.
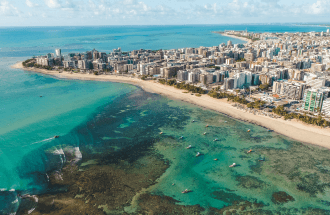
(172,12)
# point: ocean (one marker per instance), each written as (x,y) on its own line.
(106,121)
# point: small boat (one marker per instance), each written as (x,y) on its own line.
(181,137)
(198,154)
(216,139)
(261,159)
(56,136)
(193,121)
(188,147)
(204,133)
(249,151)
(161,133)
(172,184)
(233,165)
(216,159)
(249,130)
(186,191)
(207,126)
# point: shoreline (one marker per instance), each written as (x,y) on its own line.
(236,37)
(293,129)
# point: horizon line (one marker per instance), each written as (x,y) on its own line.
(274,23)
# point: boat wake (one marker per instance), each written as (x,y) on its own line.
(45,140)
(42,141)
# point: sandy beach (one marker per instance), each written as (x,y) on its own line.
(293,129)
(236,37)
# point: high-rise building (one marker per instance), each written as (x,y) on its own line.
(216,76)
(249,57)
(95,55)
(255,79)
(58,53)
(182,75)
(82,64)
(50,55)
(265,79)
(326,107)
(229,61)
(313,99)
(229,83)
(209,78)
(202,78)
(239,80)
(192,77)
(316,82)
(248,78)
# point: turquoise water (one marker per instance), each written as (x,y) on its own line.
(29,122)
(215,184)
(95,117)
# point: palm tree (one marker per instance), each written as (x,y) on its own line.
(318,109)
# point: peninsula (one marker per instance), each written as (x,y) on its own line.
(279,81)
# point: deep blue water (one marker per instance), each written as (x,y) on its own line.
(74,109)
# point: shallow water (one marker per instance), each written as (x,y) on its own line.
(299,170)
(29,122)
(103,121)
(133,120)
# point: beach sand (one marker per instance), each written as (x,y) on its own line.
(293,129)
(236,37)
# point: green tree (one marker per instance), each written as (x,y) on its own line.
(264,87)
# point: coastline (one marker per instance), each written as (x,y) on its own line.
(236,37)
(293,129)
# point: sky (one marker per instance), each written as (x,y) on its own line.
(161,12)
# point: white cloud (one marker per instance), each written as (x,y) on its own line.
(30,4)
(131,9)
(177,11)
(53,3)
(7,9)
(65,5)
(319,8)
(69,5)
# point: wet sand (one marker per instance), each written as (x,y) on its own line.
(293,129)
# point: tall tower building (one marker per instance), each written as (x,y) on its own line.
(58,52)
